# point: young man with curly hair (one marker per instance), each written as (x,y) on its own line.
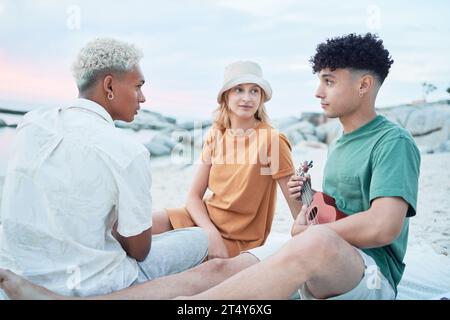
(372,172)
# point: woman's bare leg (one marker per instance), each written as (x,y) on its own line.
(160,222)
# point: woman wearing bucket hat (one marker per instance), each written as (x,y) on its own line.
(243,158)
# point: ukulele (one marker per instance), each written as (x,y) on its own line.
(321,207)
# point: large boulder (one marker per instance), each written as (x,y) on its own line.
(161,144)
(144,113)
(164,140)
(157,149)
(127,125)
(148,120)
(300,131)
(420,120)
(283,123)
(295,137)
(321,134)
(193,137)
(314,118)
(191,125)
(332,130)
(301,126)
(443,147)
(2,181)
(200,136)
(429,124)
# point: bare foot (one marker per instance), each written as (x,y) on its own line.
(18,288)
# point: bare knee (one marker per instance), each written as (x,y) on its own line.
(229,266)
(313,248)
(160,222)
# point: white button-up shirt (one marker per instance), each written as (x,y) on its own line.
(72,175)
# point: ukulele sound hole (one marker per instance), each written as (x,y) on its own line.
(312,214)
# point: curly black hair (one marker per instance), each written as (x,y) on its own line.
(358,52)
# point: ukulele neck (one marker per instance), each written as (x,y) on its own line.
(307,192)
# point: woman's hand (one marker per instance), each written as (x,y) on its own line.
(216,245)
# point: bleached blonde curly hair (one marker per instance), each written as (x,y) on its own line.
(102,56)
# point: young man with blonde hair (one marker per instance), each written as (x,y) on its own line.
(77,208)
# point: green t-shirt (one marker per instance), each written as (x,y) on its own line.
(379,159)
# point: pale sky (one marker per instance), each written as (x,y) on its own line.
(188,43)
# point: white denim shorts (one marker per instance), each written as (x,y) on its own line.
(173,252)
(373,285)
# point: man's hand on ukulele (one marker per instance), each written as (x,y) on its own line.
(299,224)
(295,185)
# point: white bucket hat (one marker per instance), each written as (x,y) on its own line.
(244,72)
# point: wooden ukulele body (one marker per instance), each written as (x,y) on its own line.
(323,210)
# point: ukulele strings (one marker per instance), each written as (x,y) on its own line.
(307,195)
(309,198)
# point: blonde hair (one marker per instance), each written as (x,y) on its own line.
(222,117)
(103,55)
